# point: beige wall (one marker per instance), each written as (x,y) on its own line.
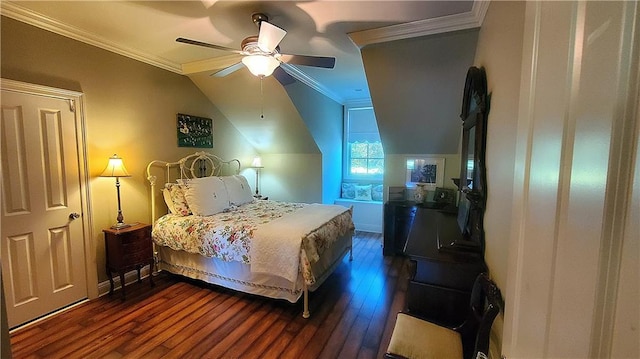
(283,180)
(500,53)
(130,110)
(396,170)
(299,123)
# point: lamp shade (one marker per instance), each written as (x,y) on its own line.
(260,65)
(257,162)
(115,168)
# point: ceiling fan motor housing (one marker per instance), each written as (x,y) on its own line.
(262,53)
(250,46)
(258,18)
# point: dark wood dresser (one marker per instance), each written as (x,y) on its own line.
(128,249)
(398,217)
(440,280)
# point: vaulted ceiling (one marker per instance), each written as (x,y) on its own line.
(147,30)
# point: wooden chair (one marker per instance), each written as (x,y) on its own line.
(415,337)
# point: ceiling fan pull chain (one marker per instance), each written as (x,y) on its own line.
(261,99)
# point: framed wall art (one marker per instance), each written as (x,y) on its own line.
(194,131)
(428,171)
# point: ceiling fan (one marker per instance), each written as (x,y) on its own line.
(261,54)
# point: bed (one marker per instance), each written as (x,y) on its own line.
(214,230)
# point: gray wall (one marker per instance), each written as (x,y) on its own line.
(324,118)
(416,88)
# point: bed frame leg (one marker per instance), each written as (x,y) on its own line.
(305,312)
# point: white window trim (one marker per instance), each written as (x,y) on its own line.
(346,176)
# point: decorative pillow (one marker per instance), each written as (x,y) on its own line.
(178,201)
(166,194)
(206,196)
(363,193)
(376,192)
(238,188)
(348,190)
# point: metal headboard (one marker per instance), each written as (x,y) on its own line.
(199,164)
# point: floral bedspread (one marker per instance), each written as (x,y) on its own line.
(227,235)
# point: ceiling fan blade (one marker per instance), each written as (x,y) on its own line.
(316,61)
(283,77)
(270,36)
(204,44)
(228,70)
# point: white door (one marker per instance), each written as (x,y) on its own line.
(573,275)
(43,254)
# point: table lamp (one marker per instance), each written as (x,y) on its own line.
(257,164)
(115,168)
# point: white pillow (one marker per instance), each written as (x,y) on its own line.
(238,188)
(363,193)
(206,196)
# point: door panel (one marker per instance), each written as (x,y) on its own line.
(14,180)
(22,272)
(43,253)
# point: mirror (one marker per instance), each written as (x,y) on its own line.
(472,183)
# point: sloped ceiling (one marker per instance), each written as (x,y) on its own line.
(416,88)
(241,94)
(146,31)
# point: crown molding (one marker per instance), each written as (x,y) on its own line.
(365,102)
(309,81)
(27,16)
(468,20)
(17,12)
(214,63)
(463,21)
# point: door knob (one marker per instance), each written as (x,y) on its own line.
(74,215)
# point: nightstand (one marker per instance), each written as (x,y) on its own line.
(127,249)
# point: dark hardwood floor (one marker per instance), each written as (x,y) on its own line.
(352,316)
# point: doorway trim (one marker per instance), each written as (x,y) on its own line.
(76,102)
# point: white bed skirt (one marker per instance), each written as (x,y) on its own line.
(238,276)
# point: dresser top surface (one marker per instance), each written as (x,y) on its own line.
(428,226)
(133,227)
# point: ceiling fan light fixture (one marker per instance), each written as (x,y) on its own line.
(260,65)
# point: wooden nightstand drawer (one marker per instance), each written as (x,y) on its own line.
(128,248)
(139,245)
(141,236)
(138,257)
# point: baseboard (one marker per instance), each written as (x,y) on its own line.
(367,215)
(369,228)
(129,277)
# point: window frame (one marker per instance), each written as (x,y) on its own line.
(346,155)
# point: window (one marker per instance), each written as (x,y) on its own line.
(363,154)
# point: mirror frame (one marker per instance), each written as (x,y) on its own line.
(473,186)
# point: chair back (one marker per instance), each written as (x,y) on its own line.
(486,302)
